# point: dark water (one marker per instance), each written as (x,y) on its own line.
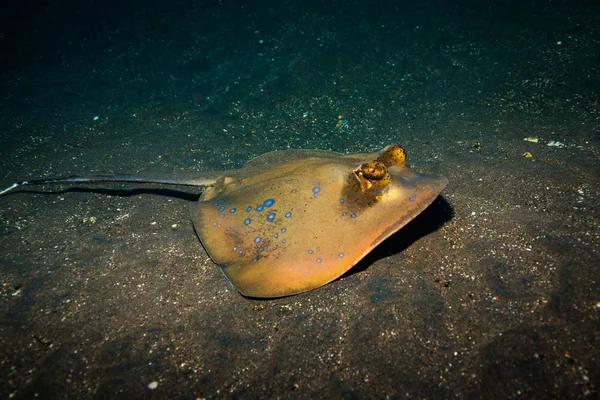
(496,298)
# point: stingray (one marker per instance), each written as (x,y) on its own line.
(291,221)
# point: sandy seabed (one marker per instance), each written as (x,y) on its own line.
(491,292)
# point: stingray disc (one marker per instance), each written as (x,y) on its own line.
(289,222)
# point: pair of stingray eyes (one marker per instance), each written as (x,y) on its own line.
(374,174)
(391,155)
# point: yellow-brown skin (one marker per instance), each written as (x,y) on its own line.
(340,207)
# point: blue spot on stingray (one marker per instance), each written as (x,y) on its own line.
(255,259)
(247,221)
(228,228)
(288,214)
(249,208)
(276,235)
(316,191)
(283,241)
(319,260)
(344,214)
(241,252)
(310,251)
(341,201)
(259,208)
(233,210)
(216,204)
(413,197)
(268,202)
(260,249)
(341,254)
(222,216)
(257,240)
(353,215)
(215,223)
(283,230)
(271,217)
(221,208)
(318,249)
(234,248)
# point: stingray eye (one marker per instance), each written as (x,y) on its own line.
(393,155)
(373,170)
(372,176)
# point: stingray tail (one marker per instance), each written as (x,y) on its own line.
(168,180)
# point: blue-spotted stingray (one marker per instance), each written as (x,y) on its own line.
(291,221)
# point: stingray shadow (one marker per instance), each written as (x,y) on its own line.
(430,220)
